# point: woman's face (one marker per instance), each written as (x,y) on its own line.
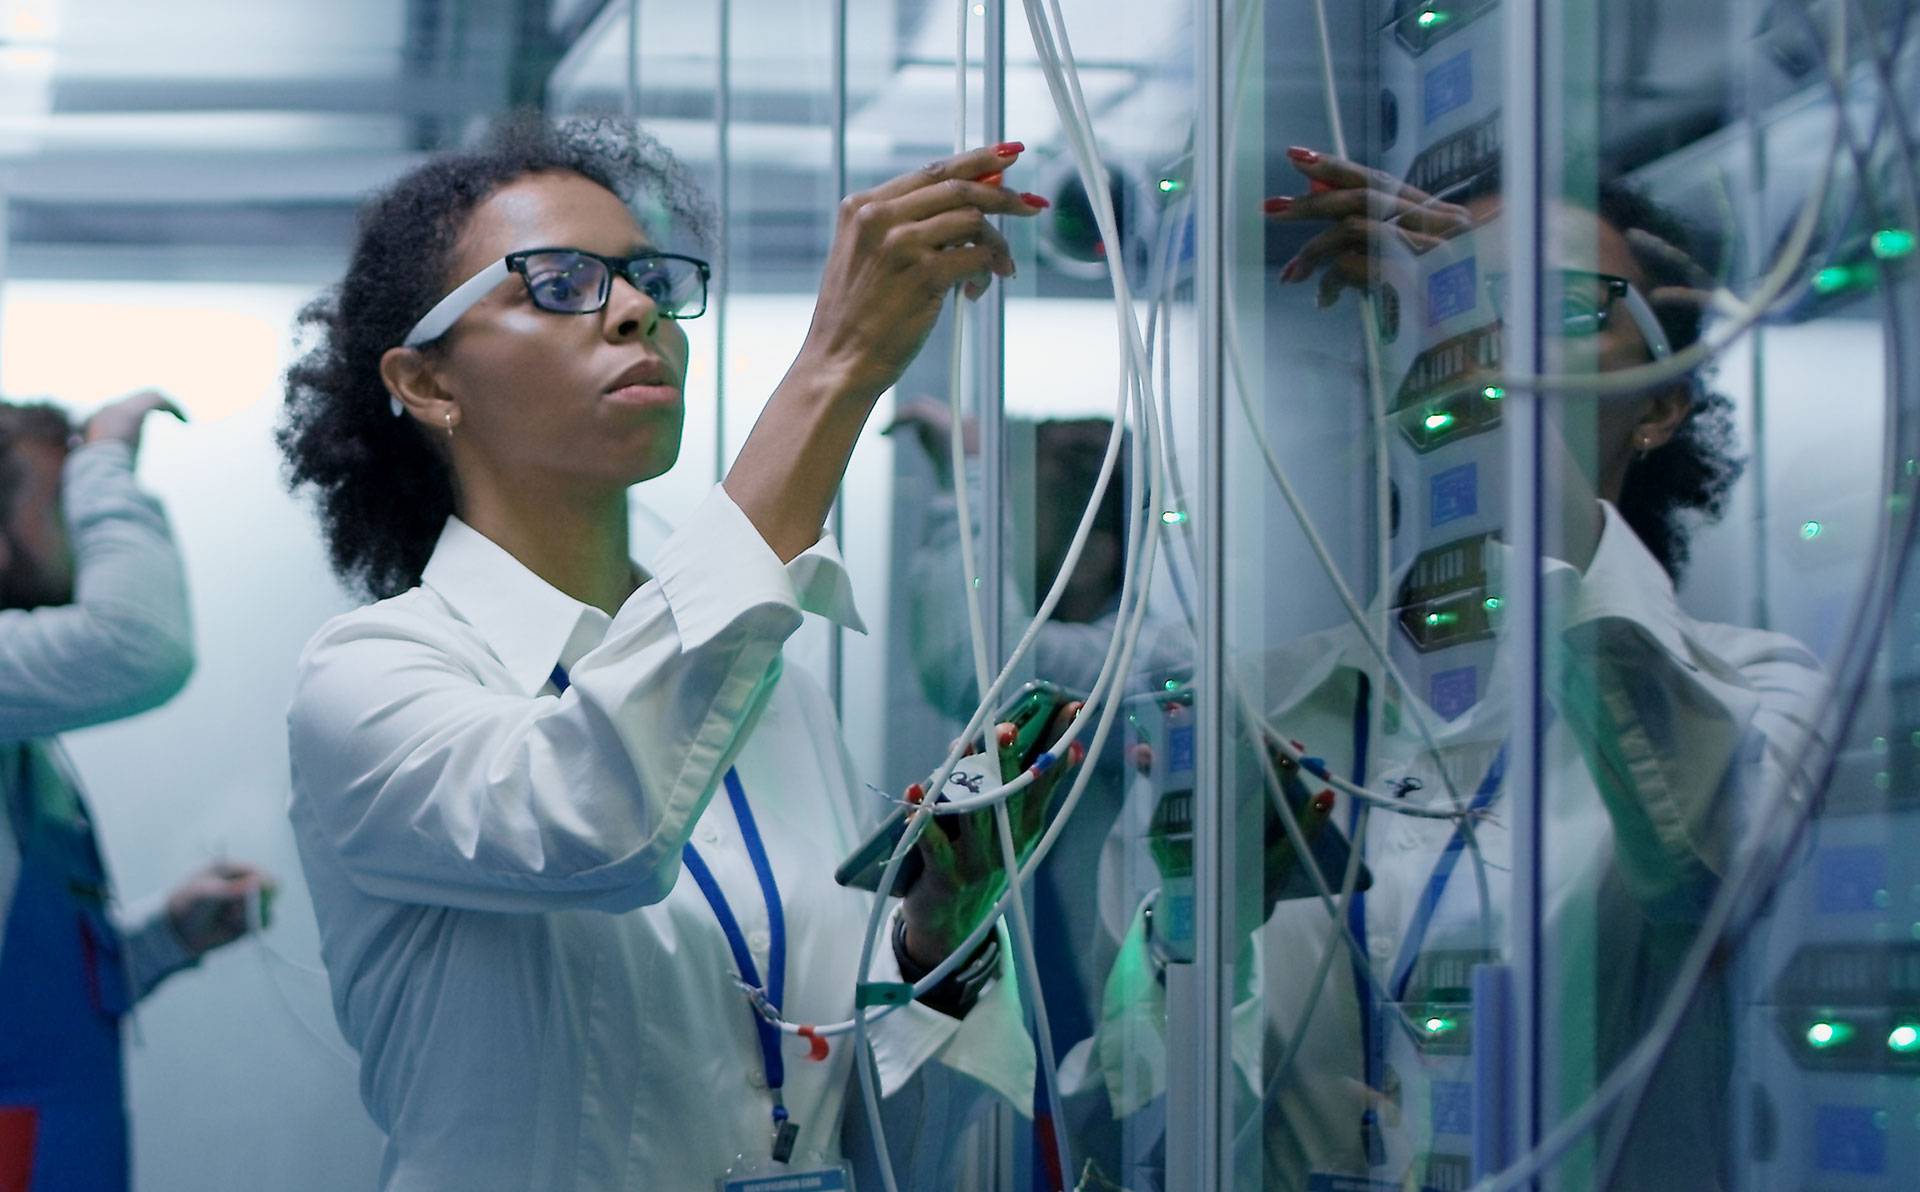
(561,404)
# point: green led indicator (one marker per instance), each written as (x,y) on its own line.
(1438,420)
(1890,244)
(1810,530)
(1442,618)
(1437,1025)
(1822,1035)
(1832,279)
(1430,19)
(1173,517)
(1493,604)
(1169,185)
(1493,393)
(1173,684)
(1904,1038)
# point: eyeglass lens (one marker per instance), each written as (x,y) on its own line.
(575,283)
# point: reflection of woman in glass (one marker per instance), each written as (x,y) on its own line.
(1663,731)
(533,907)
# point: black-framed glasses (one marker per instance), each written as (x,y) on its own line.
(574,281)
(1585,300)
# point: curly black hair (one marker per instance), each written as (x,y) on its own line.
(385,491)
(1685,481)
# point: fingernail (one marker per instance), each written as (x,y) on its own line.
(992,179)
(1303,155)
(1319,186)
(1291,270)
(1034,201)
(1276,204)
(1009,148)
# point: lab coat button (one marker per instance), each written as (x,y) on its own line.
(756,1078)
(758,941)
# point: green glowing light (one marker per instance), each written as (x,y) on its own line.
(1904,1038)
(1828,1034)
(1493,393)
(1810,530)
(1173,684)
(1493,604)
(1169,185)
(1438,420)
(1833,279)
(1890,244)
(1173,517)
(1437,1025)
(1432,18)
(1442,618)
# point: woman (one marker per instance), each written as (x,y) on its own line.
(503,772)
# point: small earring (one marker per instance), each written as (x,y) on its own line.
(393,403)
(449,424)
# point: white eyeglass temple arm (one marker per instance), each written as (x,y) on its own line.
(1638,309)
(449,309)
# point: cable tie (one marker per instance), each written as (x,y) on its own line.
(1316,766)
(817,1046)
(881,993)
(1043,763)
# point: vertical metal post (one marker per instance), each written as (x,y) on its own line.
(990,352)
(1199,1128)
(1525,211)
(836,520)
(631,104)
(722,255)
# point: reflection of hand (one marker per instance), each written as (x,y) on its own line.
(122,420)
(1366,207)
(898,249)
(963,876)
(931,422)
(209,909)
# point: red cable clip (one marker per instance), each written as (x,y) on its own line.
(816,1046)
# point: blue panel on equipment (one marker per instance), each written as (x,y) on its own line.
(1454,494)
(1452,291)
(1454,691)
(1849,879)
(1845,1139)
(1452,1107)
(1449,86)
(1180,750)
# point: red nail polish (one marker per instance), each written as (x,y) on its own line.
(1276,204)
(992,179)
(1303,155)
(1010,148)
(1035,201)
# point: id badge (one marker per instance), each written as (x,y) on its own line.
(812,1174)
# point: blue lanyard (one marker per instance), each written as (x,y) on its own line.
(775,986)
(1372,1042)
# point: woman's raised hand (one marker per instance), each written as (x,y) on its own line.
(1365,206)
(897,251)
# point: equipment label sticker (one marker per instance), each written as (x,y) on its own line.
(1452,291)
(1454,494)
(1449,86)
(1454,691)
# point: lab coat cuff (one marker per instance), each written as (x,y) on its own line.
(823,587)
(990,1044)
(716,569)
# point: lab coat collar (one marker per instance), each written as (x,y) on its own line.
(529,624)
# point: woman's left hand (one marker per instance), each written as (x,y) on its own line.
(963,876)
